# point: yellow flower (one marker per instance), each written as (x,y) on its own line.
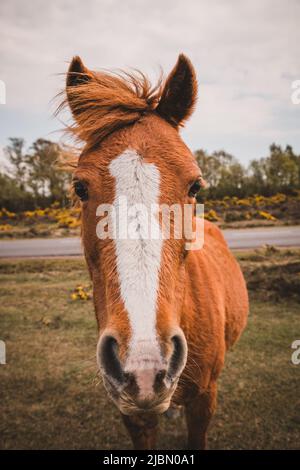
(211,215)
(39,213)
(81,293)
(244,202)
(28,214)
(266,215)
(8,214)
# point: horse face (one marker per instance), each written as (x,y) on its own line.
(138,273)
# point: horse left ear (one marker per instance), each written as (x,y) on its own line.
(179,94)
(77,75)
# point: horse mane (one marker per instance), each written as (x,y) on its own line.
(102,103)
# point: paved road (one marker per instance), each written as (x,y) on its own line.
(256,237)
(237,239)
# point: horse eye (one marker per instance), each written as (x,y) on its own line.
(81,190)
(194,189)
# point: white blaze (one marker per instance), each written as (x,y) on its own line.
(138,260)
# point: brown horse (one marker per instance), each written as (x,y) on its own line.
(166,315)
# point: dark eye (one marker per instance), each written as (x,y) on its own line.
(194,189)
(81,190)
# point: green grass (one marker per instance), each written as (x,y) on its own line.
(52,398)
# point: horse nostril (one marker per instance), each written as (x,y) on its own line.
(108,356)
(160,377)
(178,358)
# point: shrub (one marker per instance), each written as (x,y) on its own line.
(212,216)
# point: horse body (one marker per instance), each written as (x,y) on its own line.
(166,315)
(214,315)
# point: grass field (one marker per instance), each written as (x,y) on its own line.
(51,396)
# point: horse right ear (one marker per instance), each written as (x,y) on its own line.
(179,94)
(77,76)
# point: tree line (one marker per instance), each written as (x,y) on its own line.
(32,178)
(278,172)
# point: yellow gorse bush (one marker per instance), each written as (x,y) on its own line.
(278,198)
(5,228)
(244,202)
(6,214)
(271,208)
(266,215)
(64,217)
(211,215)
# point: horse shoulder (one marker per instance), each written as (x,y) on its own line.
(236,301)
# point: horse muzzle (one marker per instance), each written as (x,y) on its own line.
(141,384)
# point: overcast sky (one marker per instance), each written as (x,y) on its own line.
(246,54)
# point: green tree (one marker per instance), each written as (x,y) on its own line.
(278,172)
(12,196)
(33,176)
(224,174)
(16,156)
(44,178)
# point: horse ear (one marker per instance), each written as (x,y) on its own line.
(77,75)
(179,94)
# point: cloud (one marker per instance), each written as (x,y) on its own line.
(245,54)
